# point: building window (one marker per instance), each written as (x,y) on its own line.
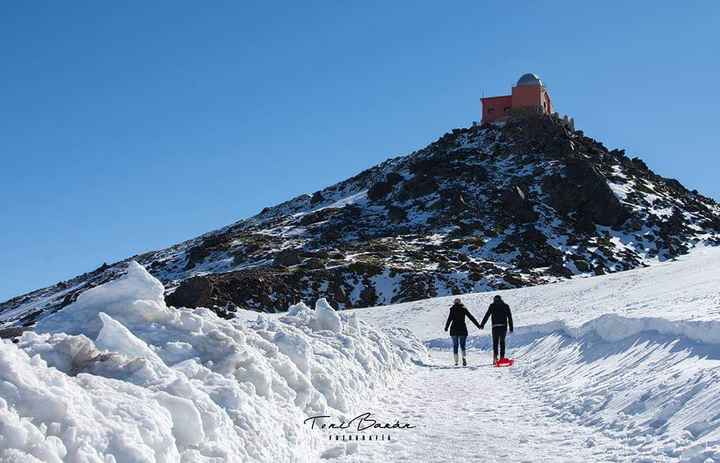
(490,110)
(507,109)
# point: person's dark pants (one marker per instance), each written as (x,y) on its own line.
(461,341)
(498,334)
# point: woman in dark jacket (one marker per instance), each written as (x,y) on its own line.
(458,329)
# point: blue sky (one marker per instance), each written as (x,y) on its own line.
(127,127)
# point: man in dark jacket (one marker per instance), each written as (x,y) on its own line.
(499,311)
(458,329)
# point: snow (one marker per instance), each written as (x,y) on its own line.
(683,289)
(342,202)
(658,395)
(327,318)
(133,300)
(621,190)
(477,414)
(118,376)
(621,367)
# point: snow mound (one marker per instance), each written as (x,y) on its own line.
(327,318)
(118,377)
(134,300)
(612,328)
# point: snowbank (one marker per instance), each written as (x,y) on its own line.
(612,327)
(654,388)
(120,377)
(608,328)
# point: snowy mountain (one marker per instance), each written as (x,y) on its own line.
(486,207)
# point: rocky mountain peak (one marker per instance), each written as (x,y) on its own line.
(485,207)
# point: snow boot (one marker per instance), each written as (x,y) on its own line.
(456,359)
(464,362)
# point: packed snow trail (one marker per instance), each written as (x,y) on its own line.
(479,413)
(649,393)
(628,363)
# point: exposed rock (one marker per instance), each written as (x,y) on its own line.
(193,292)
(381,189)
(582,191)
(515,203)
(12,333)
(102,268)
(319,216)
(287,258)
(396,214)
(317,197)
(196,255)
(418,186)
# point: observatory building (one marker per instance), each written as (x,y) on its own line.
(528,93)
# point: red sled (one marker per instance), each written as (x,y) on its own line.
(503,362)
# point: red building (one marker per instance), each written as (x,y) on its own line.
(529,93)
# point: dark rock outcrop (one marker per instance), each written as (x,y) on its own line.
(515,203)
(581,192)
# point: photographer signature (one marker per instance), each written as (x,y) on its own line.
(362,422)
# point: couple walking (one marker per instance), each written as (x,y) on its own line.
(501,318)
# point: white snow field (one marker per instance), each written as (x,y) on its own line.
(617,368)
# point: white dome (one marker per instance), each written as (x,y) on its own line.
(529,79)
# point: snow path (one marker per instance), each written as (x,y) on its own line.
(479,413)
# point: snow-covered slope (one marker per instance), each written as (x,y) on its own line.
(684,290)
(490,207)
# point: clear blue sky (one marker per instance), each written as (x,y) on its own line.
(126,127)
